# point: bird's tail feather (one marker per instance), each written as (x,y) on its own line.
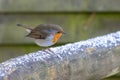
(24,26)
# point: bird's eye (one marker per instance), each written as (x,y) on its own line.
(58,32)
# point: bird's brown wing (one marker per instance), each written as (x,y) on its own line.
(40,32)
(36,35)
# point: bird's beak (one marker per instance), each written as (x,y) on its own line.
(64,32)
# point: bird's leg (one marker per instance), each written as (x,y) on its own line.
(48,50)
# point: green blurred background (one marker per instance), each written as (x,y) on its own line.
(80,19)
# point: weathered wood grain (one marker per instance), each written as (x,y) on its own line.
(93,59)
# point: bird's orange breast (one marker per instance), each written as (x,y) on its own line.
(56,37)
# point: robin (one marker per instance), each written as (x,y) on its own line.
(44,34)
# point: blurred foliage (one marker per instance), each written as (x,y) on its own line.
(78,26)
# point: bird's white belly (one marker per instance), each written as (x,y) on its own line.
(45,42)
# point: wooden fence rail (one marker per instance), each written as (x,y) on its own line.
(92,59)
